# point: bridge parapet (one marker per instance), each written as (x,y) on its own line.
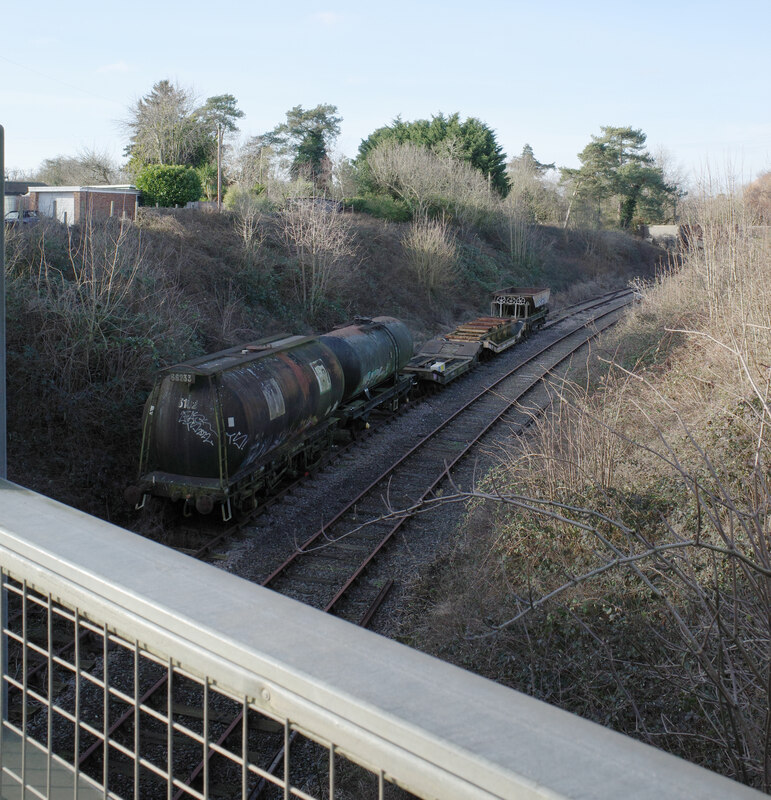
(277,695)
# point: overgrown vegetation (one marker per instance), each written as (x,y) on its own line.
(616,562)
(431,254)
(95,310)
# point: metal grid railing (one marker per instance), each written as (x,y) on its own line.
(131,671)
(130,724)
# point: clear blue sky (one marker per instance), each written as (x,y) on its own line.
(693,75)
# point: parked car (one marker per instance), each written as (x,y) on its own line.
(27,218)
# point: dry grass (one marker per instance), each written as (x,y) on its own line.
(93,313)
(620,566)
(430,248)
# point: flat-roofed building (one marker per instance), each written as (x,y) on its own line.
(73,204)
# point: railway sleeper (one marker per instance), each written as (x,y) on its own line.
(305,578)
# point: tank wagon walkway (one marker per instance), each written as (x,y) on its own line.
(329,690)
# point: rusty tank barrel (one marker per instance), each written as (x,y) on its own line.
(218,426)
(369,351)
(216,416)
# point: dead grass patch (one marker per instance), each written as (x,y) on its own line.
(616,562)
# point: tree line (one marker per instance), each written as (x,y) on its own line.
(180,149)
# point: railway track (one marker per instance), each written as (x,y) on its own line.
(322,571)
(328,566)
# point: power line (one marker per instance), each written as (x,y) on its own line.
(27,68)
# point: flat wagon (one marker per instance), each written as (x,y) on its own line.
(515,313)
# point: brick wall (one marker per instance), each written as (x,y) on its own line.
(100,204)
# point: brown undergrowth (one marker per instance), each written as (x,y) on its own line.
(616,562)
(94,311)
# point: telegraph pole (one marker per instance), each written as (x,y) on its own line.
(219,167)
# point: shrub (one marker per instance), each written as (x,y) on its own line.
(431,253)
(382,206)
(168,185)
(318,240)
(250,211)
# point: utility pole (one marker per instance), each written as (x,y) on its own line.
(219,167)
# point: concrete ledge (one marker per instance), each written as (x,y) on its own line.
(438,730)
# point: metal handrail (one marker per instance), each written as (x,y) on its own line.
(433,728)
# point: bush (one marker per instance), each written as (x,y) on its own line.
(431,253)
(382,206)
(168,185)
(91,317)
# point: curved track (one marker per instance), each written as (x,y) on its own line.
(325,567)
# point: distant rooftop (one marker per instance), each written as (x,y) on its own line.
(20,187)
(103,188)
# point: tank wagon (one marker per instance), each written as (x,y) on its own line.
(225,428)
(515,313)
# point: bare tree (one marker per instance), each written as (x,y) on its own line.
(249,216)
(431,253)
(531,194)
(422,178)
(254,163)
(163,125)
(319,238)
(344,178)
(88,167)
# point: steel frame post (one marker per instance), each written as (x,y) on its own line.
(3,467)
(3,457)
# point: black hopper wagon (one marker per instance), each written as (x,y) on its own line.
(225,429)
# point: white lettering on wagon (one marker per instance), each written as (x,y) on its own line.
(197,423)
(238,440)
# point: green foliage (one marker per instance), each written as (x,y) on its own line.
(479,267)
(207,174)
(616,165)
(237,198)
(382,206)
(168,185)
(305,139)
(220,113)
(471,140)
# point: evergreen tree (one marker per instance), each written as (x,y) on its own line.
(471,140)
(616,165)
(305,138)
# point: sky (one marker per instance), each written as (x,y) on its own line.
(694,76)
